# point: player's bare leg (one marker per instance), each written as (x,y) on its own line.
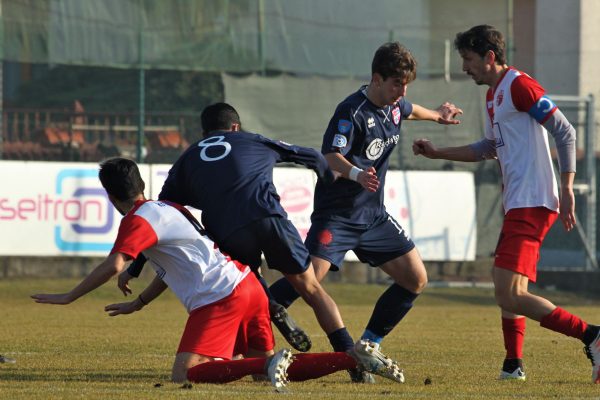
(325,309)
(185,361)
(512,295)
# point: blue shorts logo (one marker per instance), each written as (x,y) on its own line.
(344,126)
(80,175)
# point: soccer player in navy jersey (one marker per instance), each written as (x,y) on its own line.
(519,117)
(350,214)
(228,175)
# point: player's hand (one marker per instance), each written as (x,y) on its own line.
(58,298)
(424,148)
(123,282)
(122,308)
(567,208)
(368,179)
(448,113)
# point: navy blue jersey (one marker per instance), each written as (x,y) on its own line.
(229,176)
(366,135)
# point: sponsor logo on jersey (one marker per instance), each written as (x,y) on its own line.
(499,98)
(339,141)
(344,126)
(376,147)
(396,115)
(370,122)
(490,104)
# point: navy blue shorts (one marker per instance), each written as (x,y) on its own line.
(373,244)
(276,238)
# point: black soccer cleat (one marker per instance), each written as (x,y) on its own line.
(294,335)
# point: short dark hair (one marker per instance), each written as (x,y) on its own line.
(218,116)
(121,178)
(394,60)
(480,39)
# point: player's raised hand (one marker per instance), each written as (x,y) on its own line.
(424,148)
(58,298)
(448,113)
(368,179)
(123,282)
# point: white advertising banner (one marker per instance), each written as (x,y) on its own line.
(61,208)
(55,209)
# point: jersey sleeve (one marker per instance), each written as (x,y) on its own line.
(340,131)
(529,96)
(305,156)
(406,108)
(135,235)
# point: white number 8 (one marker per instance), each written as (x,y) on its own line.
(212,142)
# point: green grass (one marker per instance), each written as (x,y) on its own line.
(452,336)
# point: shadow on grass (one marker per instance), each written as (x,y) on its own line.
(74,375)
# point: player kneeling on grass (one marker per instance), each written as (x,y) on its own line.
(228,309)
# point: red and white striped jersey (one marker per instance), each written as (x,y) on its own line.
(516,110)
(188,262)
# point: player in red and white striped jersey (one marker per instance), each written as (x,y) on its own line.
(519,117)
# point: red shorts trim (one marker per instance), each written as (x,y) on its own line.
(231,325)
(521,237)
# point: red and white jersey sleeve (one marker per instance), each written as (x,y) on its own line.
(521,142)
(188,262)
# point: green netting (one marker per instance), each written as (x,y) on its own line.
(326,37)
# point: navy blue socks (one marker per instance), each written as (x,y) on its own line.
(391,307)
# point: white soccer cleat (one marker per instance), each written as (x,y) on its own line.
(277,369)
(593,353)
(368,355)
(517,375)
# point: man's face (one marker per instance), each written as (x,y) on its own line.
(390,90)
(475,66)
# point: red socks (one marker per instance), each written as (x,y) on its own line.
(304,367)
(224,371)
(310,366)
(514,333)
(564,322)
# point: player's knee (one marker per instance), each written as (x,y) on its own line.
(507,300)
(420,284)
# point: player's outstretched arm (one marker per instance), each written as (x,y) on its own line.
(445,114)
(99,276)
(468,153)
(154,289)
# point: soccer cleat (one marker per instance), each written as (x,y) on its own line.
(294,335)
(517,375)
(592,351)
(277,367)
(359,375)
(7,360)
(368,355)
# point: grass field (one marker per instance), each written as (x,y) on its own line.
(452,336)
